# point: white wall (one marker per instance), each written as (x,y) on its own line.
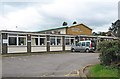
(56,48)
(62,31)
(67,47)
(17,49)
(38,49)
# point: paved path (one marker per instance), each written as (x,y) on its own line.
(46,64)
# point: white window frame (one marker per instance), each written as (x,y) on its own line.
(32,37)
(69,39)
(17,36)
(60,40)
(56,37)
(8,41)
(38,36)
(23,37)
(40,40)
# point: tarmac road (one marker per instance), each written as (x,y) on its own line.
(57,65)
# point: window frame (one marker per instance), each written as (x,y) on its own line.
(40,40)
(69,40)
(38,37)
(56,40)
(33,37)
(17,37)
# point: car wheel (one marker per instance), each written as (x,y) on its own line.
(87,50)
(73,50)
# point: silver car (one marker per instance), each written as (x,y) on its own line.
(84,46)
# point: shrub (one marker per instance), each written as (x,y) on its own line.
(110,52)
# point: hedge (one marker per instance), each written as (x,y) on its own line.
(110,52)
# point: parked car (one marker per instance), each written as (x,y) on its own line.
(84,46)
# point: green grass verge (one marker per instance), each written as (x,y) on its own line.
(103,71)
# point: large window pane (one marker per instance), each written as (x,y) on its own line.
(52,41)
(83,43)
(58,41)
(34,41)
(72,41)
(87,44)
(12,40)
(42,41)
(67,42)
(22,40)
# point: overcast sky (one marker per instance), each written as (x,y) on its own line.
(36,15)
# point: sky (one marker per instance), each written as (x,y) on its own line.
(37,15)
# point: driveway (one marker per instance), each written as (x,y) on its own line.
(46,64)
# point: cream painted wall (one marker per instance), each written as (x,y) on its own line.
(17,49)
(62,31)
(38,49)
(56,48)
(67,47)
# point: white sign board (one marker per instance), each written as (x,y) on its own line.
(5,40)
(29,41)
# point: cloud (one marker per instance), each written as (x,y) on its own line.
(24,19)
(46,14)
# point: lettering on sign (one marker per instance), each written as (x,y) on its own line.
(75,29)
(29,41)
(48,41)
(5,40)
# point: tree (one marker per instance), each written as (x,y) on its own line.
(115,28)
(74,22)
(110,52)
(64,24)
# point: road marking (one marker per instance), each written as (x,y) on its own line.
(73,73)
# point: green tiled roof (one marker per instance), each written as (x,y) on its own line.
(61,27)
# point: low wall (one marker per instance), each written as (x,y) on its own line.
(55,48)
(17,49)
(38,49)
(67,47)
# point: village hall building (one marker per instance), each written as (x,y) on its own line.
(75,29)
(57,39)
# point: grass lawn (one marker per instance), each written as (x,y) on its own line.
(102,71)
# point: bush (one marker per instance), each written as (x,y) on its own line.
(110,52)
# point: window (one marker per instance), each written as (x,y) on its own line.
(87,44)
(72,41)
(38,40)
(69,41)
(55,40)
(58,41)
(52,41)
(18,40)
(83,43)
(42,41)
(78,44)
(22,40)
(34,41)
(12,40)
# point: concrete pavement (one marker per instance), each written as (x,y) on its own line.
(46,65)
